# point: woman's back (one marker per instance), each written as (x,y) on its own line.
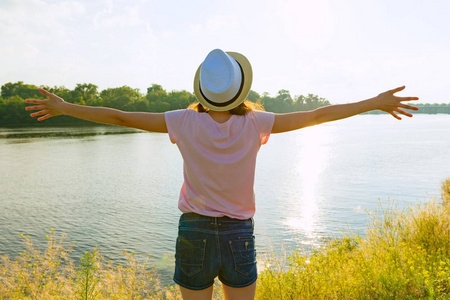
(219,160)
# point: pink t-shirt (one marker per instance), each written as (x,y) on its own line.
(219,160)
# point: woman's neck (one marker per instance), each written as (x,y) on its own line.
(220,116)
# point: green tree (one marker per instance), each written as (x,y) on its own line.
(300,103)
(313,101)
(156,93)
(284,95)
(124,98)
(157,98)
(180,99)
(266,100)
(86,94)
(20,89)
(253,96)
(12,111)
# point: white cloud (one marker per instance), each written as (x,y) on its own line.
(37,21)
(126,17)
(218,23)
(31,32)
(308,25)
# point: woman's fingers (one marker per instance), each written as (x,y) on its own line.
(36,101)
(393,105)
(45,117)
(408,106)
(408,98)
(394,115)
(50,95)
(37,107)
(400,88)
(39,113)
(44,92)
(400,111)
(47,108)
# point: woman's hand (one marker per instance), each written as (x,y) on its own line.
(48,108)
(391,104)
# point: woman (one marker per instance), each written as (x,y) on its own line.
(219,140)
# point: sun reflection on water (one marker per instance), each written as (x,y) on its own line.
(314,154)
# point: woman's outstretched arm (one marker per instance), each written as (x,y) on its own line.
(55,106)
(386,102)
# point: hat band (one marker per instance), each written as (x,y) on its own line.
(229,101)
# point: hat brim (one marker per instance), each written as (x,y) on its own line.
(248,78)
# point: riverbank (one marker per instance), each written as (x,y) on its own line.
(405,254)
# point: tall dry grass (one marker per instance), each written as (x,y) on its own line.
(52,275)
(446,192)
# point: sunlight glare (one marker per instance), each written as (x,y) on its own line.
(314,155)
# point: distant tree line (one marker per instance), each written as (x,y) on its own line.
(156,99)
(12,106)
(424,108)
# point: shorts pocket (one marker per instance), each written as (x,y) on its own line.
(190,255)
(244,254)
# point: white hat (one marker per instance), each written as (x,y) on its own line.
(223,80)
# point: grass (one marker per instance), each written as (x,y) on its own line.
(404,255)
(52,275)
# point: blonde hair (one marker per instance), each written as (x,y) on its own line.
(240,110)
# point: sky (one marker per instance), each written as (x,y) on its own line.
(344,51)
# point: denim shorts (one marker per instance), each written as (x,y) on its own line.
(208,247)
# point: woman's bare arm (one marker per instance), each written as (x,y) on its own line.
(55,106)
(385,101)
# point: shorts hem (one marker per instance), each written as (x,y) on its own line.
(239,285)
(192,288)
